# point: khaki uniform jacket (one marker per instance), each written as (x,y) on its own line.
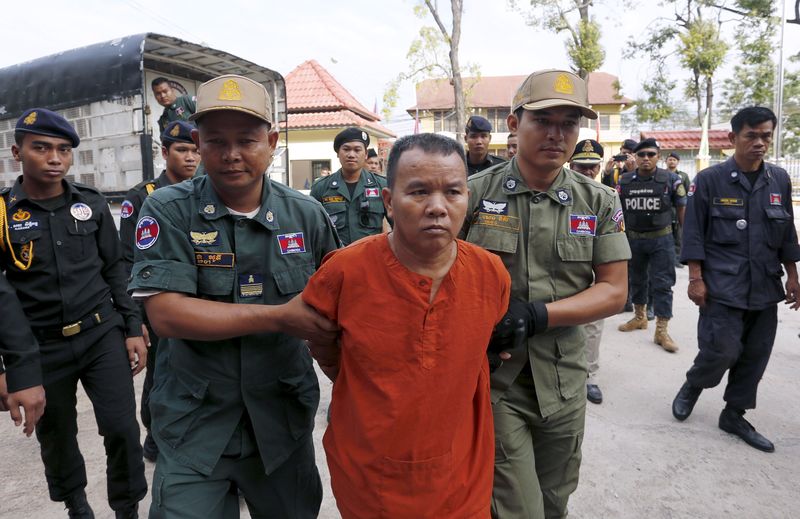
(188,242)
(549,242)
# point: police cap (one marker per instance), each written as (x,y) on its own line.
(42,121)
(478,124)
(647,143)
(232,92)
(371,153)
(177,131)
(674,155)
(551,88)
(349,135)
(588,151)
(629,144)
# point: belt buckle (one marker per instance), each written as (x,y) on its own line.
(71,329)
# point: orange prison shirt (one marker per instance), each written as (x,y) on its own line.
(411,432)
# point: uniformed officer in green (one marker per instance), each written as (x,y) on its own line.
(352,195)
(219,261)
(176,108)
(560,236)
(180,154)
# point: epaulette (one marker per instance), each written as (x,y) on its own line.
(150,187)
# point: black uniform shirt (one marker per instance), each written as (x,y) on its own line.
(77,259)
(18,349)
(129,213)
(491,160)
(742,233)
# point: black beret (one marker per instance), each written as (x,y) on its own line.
(350,135)
(371,153)
(42,121)
(647,143)
(674,155)
(588,151)
(478,124)
(177,131)
(629,144)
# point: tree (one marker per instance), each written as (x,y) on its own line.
(583,44)
(426,58)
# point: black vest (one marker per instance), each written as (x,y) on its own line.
(647,204)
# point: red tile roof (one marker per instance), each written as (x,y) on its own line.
(497,91)
(316,100)
(688,139)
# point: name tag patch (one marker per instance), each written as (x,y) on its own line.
(372,192)
(583,224)
(737,202)
(24,226)
(214,259)
(292,243)
(775,199)
(146,232)
(490,206)
(204,238)
(332,199)
(508,223)
(126,209)
(251,285)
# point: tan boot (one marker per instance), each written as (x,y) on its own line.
(639,321)
(662,338)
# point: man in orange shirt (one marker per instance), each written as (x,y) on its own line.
(411,431)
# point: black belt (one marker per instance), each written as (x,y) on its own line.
(98,316)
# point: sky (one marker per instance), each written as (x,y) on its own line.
(362,43)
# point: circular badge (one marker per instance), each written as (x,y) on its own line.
(126,209)
(80,211)
(334,183)
(209,209)
(734,174)
(511,183)
(741,224)
(563,196)
(146,232)
(270,216)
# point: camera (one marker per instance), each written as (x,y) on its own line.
(622,157)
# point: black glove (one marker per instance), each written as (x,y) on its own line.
(522,320)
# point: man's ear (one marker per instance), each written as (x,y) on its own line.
(386,194)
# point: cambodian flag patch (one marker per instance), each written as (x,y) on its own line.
(126,210)
(146,232)
(292,243)
(372,192)
(582,224)
(775,199)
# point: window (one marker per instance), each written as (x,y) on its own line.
(497,116)
(444,121)
(317,166)
(604,121)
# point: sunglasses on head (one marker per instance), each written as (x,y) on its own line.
(646,154)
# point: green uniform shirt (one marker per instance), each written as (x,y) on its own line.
(354,216)
(188,242)
(549,243)
(183,107)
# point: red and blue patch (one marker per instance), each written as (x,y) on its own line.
(146,232)
(126,209)
(292,243)
(583,224)
(372,192)
(775,199)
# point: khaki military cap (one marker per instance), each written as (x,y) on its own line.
(550,88)
(231,92)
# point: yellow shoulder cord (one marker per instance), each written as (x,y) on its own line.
(150,188)
(5,239)
(616,175)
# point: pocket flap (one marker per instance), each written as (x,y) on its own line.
(725,211)
(293,280)
(776,212)
(574,248)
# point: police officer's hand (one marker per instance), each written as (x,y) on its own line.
(793,293)
(32,402)
(327,356)
(137,354)
(146,336)
(521,321)
(697,292)
(301,320)
(630,164)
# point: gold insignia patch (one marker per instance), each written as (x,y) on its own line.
(214,259)
(230,91)
(563,85)
(332,199)
(204,238)
(30,119)
(587,147)
(21,215)
(507,223)
(25,252)
(175,130)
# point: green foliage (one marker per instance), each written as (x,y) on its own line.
(702,50)
(791,112)
(587,55)
(657,104)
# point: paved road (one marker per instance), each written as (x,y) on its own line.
(638,461)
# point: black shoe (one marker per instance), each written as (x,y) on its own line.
(129,513)
(150,449)
(78,507)
(650,314)
(593,394)
(732,422)
(684,401)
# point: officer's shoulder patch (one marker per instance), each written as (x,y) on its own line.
(147,231)
(292,243)
(126,209)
